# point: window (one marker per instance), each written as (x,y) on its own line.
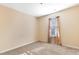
(53,27)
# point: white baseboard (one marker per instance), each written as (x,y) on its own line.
(74,47)
(16,47)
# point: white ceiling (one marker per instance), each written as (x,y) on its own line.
(37,9)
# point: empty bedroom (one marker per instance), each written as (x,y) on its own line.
(39,29)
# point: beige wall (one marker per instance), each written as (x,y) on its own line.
(16,28)
(69,19)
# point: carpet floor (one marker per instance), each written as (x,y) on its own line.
(41,48)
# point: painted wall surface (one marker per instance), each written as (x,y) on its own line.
(69,20)
(16,28)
